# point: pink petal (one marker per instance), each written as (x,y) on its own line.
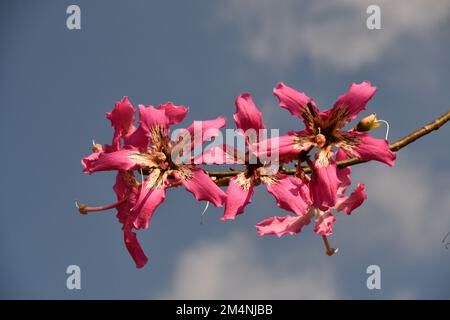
(291,194)
(355,99)
(247,115)
(202,131)
(324,185)
(281,226)
(174,113)
(294,101)
(284,148)
(343,174)
(324,224)
(151,118)
(370,148)
(139,138)
(117,160)
(223,154)
(88,161)
(123,189)
(134,248)
(237,197)
(146,204)
(203,188)
(122,116)
(122,119)
(350,203)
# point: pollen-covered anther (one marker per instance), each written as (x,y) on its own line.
(320,139)
(96,147)
(328,249)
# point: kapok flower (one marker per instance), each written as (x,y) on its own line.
(324,220)
(149,148)
(289,192)
(325,130)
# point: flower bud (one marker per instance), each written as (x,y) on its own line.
(368,123)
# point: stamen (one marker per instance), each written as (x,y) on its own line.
(328,249)
(96,147)
(387,127)
(84,209)
(320,139)
(142,179)
(204,212)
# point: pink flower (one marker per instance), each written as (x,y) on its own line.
(324,220)
(148,147)
(325,130)
(289,192)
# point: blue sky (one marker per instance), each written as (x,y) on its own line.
(57,85)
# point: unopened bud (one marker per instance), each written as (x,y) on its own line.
(368,123)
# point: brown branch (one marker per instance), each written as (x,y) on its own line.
(222,178)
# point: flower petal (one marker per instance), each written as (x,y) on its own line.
(324,224)
(247,115)
(150,197)
(150,117)
(324,185)
(122,116)
(354,100)
(202,131)
(122,119)
(117,160)
(239,195)
(134,248)
(139,138)
(281,226)
(174,113)
(294,101)
(149,120)
(203,188)
(350,203)
(89,160)
(370,148)
(343,174)
(284,148)
(290,193)
(124,189)
(223,154)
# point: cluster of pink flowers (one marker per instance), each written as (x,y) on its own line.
(148,150)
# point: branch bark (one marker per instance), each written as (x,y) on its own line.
(222,178)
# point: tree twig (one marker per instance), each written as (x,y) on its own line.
(222,178)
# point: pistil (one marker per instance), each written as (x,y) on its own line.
(320,139)
(84,209)
(328,249)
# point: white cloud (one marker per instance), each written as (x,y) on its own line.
(228,269)
(408,207)
(280,33)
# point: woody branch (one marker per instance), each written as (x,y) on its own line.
(222,178)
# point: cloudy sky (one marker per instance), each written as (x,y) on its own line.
(57,84)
